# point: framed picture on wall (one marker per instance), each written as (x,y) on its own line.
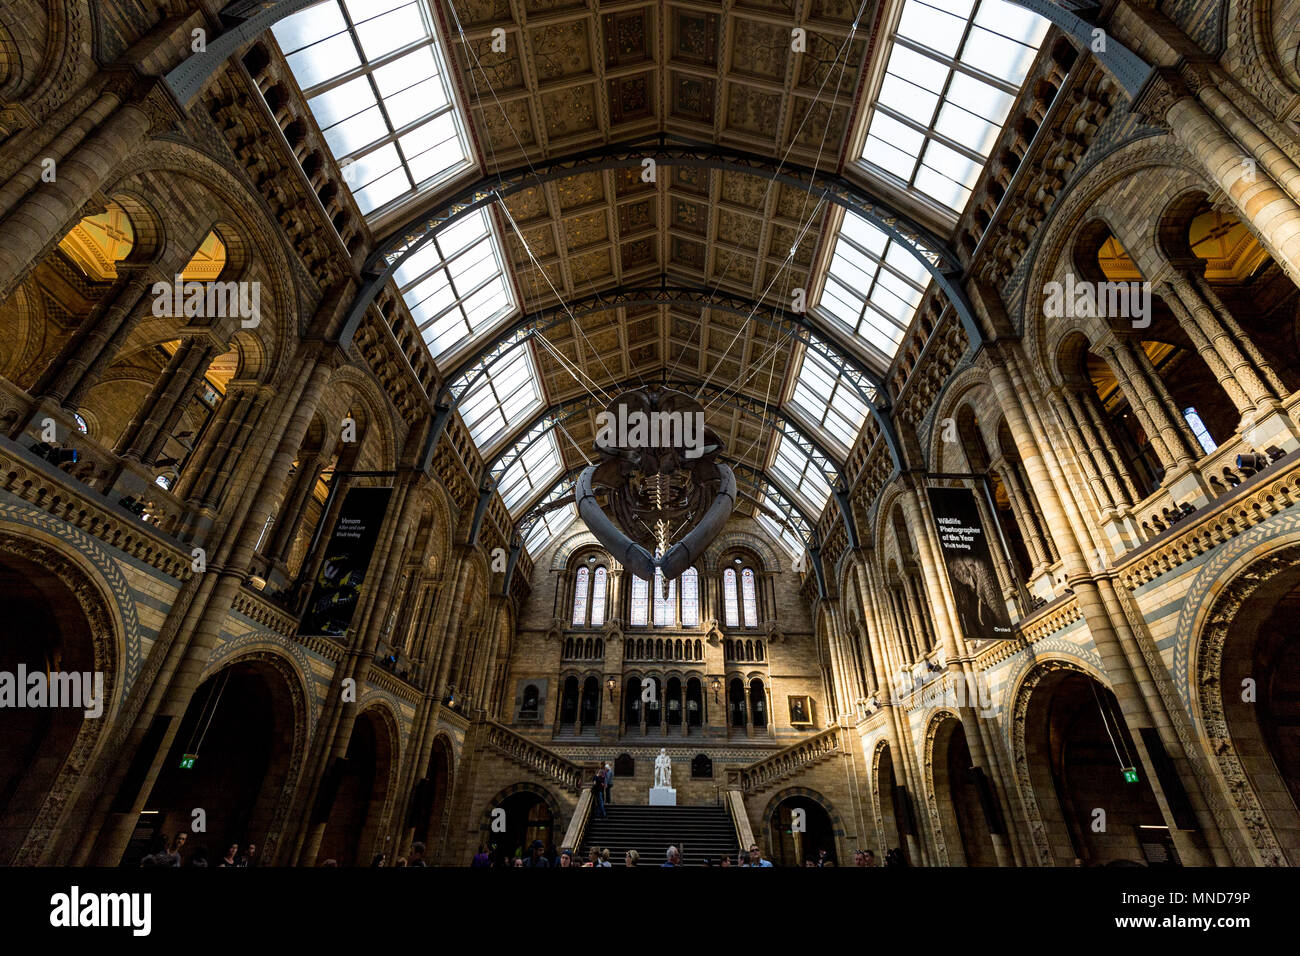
(801,714)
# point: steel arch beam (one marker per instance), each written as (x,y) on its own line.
(404,241)
(555,415)
(867,382)
(252,17)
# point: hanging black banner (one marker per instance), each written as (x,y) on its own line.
(347,556)
(965,547)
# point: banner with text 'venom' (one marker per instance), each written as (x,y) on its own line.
(965,547)
(347,556)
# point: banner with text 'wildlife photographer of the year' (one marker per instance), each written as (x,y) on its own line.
(965,547)
(335,592)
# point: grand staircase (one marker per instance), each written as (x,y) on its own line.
(701,833)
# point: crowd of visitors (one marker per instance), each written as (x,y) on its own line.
(164,852)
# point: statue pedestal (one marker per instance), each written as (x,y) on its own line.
(663,797)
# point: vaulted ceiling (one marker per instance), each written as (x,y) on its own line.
(539,80)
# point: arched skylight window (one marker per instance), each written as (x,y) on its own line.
(799,474)
(376,80)
(547,527)
(730,605)
(501,399)
(640,601)
(690,598)
(455,285)
(749,597)
(778,531)
(873,285)
(828,400)
(598,589)
(953,71)
(580,586)
(535,469)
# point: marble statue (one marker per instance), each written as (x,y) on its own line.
(663,770)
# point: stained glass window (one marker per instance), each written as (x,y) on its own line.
(730,606)
(690,598)
(580,598)
(749,599)
(598,588)
(665,604)
(640,601)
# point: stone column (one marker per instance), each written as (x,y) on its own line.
(1090,406)
(1226,362)
(49,210)
(156,419)
(294,507)
(1133,688)
(1246,343)
(67,379)
(198,624)
(1085,447)
(1258,198)
(1096,447)
(1154,418)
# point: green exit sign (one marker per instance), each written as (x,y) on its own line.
(1130,775)
(187,761)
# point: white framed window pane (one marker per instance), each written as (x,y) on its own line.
(912,101)
(640,601)
(599,587)
(324,60)
(936,29)
(580,598)
(381,191)
(391,31)
(730,604)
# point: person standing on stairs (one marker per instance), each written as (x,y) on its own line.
(609,783)
(598,788)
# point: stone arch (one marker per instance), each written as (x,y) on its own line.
(957,831)
(99,617)
(838,829)
(259,240)
(272,652)
(1082,202)
(740,540)
(553,804)
(380,412)
(573,541)
(1239,757)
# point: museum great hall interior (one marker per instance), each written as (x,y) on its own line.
(309,315)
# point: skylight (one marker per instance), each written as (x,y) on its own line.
(799,475)
(535,469)
(501,399)
(455,287)
(547,527)
(376,81)
(954,69)
(828,400)
(778,531)
(873,285)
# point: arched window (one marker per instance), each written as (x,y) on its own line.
(758,703)
(749,600)
(568,647)
(690,598)
(758,650)
(580,598)
(628,648)
(640,601)
(736,691)
(665,604)
(569,701)
(730,606)
(598,589)
(694,703)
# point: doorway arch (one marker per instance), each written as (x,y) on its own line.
(956,796)
(44,752)
(1250,634)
